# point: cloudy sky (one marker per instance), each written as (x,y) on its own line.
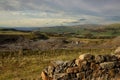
(40,13)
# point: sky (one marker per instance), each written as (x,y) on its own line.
(42,13)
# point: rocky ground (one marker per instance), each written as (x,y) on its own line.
(51,43)
(20,43)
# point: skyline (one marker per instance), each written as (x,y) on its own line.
(40,13)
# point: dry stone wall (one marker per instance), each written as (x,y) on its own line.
(86,67)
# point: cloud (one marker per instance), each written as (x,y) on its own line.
(113,18)
(34,22)
(83,11)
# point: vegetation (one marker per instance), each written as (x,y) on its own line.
(21,64)
(97,31)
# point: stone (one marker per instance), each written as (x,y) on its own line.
(94,66)
(114,58)
(71,63)
(88,74)
(107,58)
(72,70)
(86,56)
(87,67)
(112,73)
(80,75)
(117,64)
(107,65)
(56,63)
(78,62)
(45,77)
(51,70)
(118,56)
(99,58)
(117,51)
(60,76)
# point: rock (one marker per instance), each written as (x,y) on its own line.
(99,58)
(88,74)
(71,63)
(80,75)
(45,76)
(117,64)
(87,67)
(118,56)
(59,69)
(45,70)
(51,70)
(107,58)
(117,51)
(87,57)
(59,66)
(72,70)
(112,73)
(78,62)
(114,58)
(60,76)
(107,65)
(56,63)
(94,66)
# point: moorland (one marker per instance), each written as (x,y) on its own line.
(26,52)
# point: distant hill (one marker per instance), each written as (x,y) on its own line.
(67,29)
(7,29)
(92,29)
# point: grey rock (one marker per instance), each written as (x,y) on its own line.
(87,57)
(117,51)
(87,67)
(107,65)
(51,71)
(99,58)
(60,76)
(80,75)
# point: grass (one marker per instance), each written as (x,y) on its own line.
(30,66)
(13,33)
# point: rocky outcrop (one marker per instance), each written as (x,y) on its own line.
(86,67)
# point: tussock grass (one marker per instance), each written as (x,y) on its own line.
(30,65)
